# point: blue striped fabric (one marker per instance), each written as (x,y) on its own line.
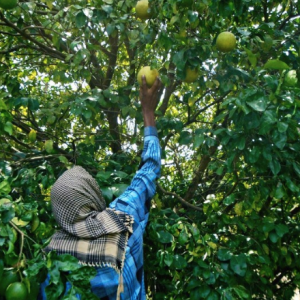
(136,202)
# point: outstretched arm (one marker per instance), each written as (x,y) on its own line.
(136,199)
(149,98)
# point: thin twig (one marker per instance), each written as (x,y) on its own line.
(185,203)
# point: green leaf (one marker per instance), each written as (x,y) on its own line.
(282,127)
(279,191)
(80,19)
(273,237)
(110,28)
(241,143)
(5,187)
(281,230)
(203,291)
(275,166)
(179,262)
(33,104)
(213,296)
(241,292)
(292,186)
(168,259)
(119,189)
(107,193)
(229,199)
(238,264)
(276,64)
(2,105)
(8,127)
(185,138)
(224,254)
(183,238)
(165,237)
(279,139)
(267,227)
(259,104)
(296,168)
(198,140)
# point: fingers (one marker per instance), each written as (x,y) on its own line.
(157,85)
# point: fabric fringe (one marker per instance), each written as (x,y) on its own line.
(120,287)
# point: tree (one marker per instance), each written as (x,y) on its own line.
(224,223)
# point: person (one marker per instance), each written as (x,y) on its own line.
(110,239)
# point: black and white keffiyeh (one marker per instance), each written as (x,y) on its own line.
(96,235)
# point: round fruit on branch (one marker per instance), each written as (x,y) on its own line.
(143,10)
(226,41)
(150,74)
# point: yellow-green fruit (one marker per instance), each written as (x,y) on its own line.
(8,4)
(143,10)
(8,277)
(49,146)
(191,75)
(35,223)
(16,291)
(226,41)
(32,135)
(151,75)
(290,78)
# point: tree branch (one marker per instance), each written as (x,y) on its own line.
(182,201)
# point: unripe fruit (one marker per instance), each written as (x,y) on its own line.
(142,10)
(290,78)
(191,75)
(151,75)
(226,41)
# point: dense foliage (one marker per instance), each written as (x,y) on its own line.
(225,221)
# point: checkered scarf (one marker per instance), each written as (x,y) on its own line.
(96,235)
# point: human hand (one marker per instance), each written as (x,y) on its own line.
(149,100)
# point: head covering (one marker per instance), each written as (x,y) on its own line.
(96,235)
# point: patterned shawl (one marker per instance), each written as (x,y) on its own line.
(96,235)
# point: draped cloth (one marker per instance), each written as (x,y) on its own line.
(94,234)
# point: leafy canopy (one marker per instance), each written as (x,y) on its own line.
(225,221)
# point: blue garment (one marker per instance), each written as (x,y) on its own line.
(135,201)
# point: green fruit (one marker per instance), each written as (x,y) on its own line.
(35,223)
(290,78)
(142,10)
(226,41)
(8,4)
(49,146)
(16,291)
(191,75)
(150,74)
(32,135)
(8,277)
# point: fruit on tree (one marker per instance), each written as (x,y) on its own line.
(290,78)
(8,277)
(143,10)
(150,74)
(8,4)
(16,291)
(226,41)
(191,75)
